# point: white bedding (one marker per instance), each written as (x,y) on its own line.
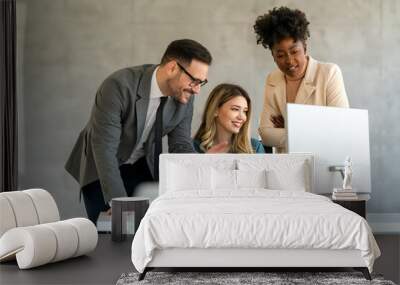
(252,218)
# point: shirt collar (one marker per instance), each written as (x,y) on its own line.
(155,91)
(278,77)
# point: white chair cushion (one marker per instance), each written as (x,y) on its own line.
(40,244)
(26,208)
(31,233)
(87,235)
(67,240)
(33,246)
(23,208)
(46,207)
(7,218)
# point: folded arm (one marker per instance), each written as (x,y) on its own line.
(270,135)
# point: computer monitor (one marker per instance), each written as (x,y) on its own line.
(331,134)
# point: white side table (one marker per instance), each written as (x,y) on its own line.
(120,207)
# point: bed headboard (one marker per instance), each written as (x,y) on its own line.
(283,164)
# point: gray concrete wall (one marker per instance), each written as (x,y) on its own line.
(67,47)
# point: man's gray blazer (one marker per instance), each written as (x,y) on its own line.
(116,125)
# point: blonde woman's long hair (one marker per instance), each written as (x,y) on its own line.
(208,128)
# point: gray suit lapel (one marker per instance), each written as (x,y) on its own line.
(142,103)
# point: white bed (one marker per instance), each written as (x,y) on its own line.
(247,211)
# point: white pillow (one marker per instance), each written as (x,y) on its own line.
(292,178)
(224,179)
(227,179)
(188,177)
(251,178)
(283,172)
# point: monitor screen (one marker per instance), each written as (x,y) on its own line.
(331,134)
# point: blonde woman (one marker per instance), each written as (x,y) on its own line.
(226,121)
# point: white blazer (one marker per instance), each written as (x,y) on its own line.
(322,85)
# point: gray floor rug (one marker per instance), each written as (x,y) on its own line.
(269,278)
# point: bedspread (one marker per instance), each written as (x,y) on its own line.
(251,218)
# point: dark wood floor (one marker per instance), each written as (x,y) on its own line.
(388,263)
(102,266)
(110,260)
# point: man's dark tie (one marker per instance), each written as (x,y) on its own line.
(158,126)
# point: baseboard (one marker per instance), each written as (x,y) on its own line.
(384,223)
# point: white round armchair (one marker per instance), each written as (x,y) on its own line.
(31,232)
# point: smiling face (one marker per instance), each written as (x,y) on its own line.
(181,83)
(290,56)
(231,116)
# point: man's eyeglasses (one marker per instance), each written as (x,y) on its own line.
(195,81)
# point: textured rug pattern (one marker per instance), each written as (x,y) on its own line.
(244,278)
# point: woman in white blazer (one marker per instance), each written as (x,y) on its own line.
(299,78)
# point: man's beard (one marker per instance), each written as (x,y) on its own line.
(184,96)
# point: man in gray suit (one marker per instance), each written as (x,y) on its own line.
(117,150)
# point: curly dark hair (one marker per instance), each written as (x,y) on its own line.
(281,23)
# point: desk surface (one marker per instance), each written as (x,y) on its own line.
(102,266)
